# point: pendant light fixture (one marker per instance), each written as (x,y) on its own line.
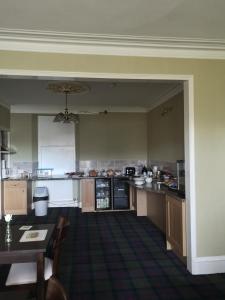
(67,88)
(66,117)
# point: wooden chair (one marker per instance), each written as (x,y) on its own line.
(55,290)
(60,235)
(26,273)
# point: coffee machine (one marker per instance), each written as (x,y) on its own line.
(130,171)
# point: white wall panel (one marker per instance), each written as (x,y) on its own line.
(56,145)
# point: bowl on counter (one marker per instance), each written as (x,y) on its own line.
(148,179)
(139,180)
(93,173)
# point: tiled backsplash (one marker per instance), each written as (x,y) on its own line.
(99,165)
(19,167)
(84,165)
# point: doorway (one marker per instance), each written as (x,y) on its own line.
(188,134)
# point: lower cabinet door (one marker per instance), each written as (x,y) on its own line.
(88,195)
(176,225)
(120,203)
(15,198)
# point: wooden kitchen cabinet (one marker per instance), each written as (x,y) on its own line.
(133,197)
(156,210)
(141,202)
(176,225)
(87,190)
(17,197)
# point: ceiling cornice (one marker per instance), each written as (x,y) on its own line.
(171,92)
(54,109)
(2,103)
(125,45)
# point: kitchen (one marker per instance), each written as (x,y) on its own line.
(112,140)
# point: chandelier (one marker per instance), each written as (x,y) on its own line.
(67,88)
(66,117)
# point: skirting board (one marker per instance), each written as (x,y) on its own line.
(62,203)
(208,265)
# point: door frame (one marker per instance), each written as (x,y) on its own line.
(189,134)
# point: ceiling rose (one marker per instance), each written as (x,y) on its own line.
(75,87)
(67,88)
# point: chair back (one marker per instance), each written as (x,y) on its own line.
(60,235)
(55,290)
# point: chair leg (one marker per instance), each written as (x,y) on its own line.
(40,277)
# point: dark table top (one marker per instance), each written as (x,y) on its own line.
(16,248)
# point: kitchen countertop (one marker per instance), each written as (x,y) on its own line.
(148,187)
(45,178)
(153,187)
(61,178)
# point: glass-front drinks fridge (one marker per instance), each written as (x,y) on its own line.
(103,194)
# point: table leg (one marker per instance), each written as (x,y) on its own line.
(40,277)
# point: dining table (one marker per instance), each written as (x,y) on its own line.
(19,251)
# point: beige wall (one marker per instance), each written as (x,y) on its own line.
(99,137)
(23,137)
(113,136)
(34,122)
(209,127)
(4,118)
(166,130)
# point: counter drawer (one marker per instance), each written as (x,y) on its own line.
(15,184)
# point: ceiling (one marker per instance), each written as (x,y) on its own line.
(166,24)
(149,28)
(162,18)
(27,95)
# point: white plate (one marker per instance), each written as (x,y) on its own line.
(34,235)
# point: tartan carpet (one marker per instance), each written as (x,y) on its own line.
(117,255)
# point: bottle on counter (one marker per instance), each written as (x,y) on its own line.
(155,169)
(159,175)
(149,176)
(144,171)
(149,173)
